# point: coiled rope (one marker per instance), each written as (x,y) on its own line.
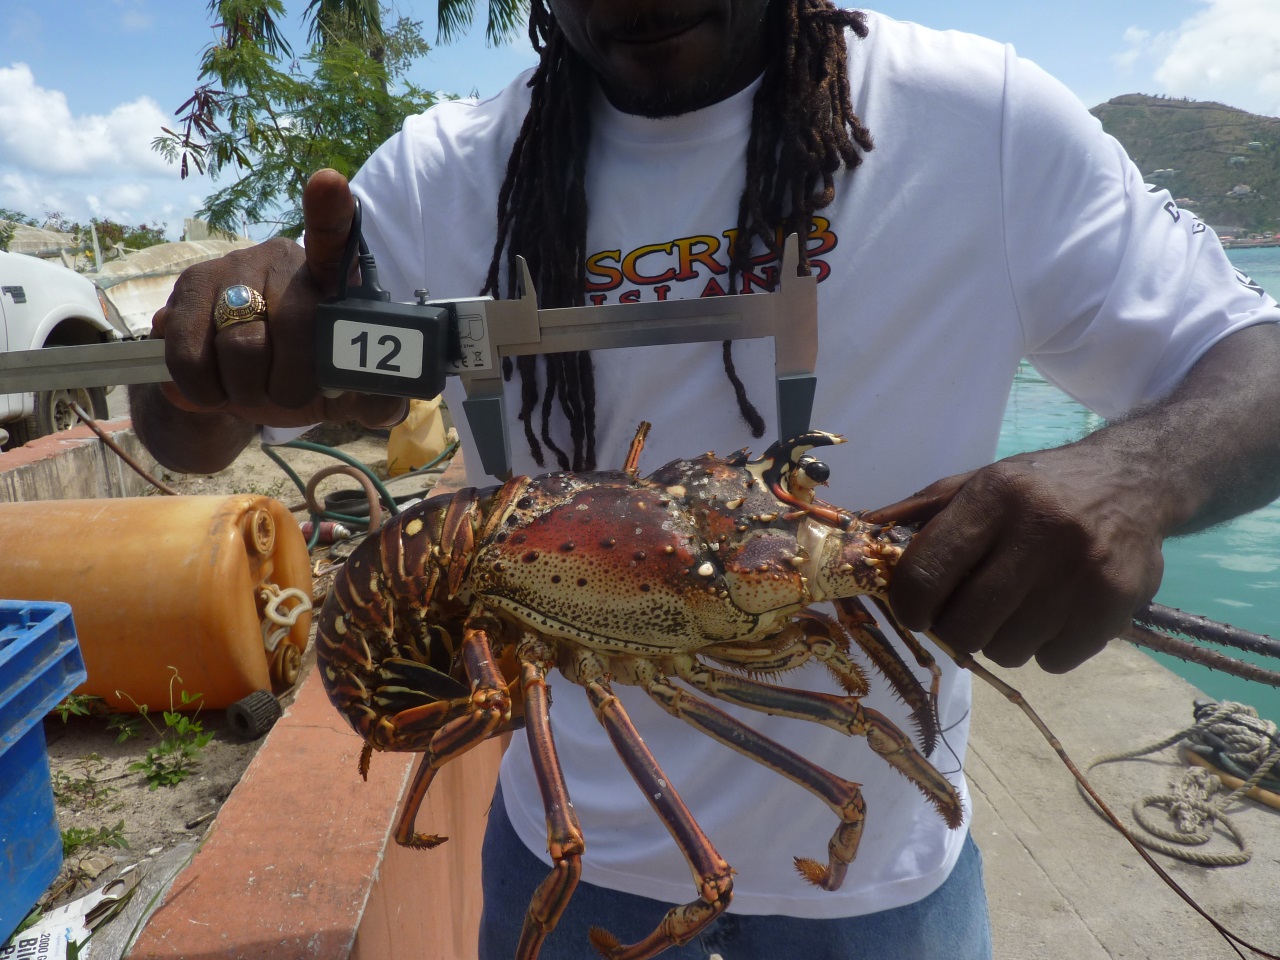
(1225,733)
(273,597)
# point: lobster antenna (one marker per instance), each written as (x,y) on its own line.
(967,662)
(942,735)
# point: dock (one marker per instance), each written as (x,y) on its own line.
(1061,882)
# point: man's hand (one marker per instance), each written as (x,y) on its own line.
(1050,554)
(263,371)
(1045,554)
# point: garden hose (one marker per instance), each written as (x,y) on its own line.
(356,517)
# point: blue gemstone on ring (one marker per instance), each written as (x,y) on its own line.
(237,296)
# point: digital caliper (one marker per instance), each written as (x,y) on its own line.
(366,342)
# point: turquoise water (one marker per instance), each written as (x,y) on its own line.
(1229,573)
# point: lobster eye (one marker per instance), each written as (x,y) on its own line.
(815,470)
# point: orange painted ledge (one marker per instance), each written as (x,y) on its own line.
(300,862)
(54,445)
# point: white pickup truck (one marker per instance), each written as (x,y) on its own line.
(44,305)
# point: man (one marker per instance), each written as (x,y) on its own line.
(961,211)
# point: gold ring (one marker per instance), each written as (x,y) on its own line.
(239,304)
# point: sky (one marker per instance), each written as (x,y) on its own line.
(86,85)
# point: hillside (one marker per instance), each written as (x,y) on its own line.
(1219,162)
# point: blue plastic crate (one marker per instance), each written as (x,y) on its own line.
(40,663)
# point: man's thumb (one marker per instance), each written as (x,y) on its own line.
(923,506)
(327,209)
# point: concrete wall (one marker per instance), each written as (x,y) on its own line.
(74,465)
(300,863)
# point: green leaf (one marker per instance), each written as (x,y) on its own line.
(264,121)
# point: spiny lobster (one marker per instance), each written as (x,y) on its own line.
(441,632)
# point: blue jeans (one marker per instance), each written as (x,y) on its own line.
(950,923)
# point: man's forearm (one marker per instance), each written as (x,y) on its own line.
(184,441)
(1211,449)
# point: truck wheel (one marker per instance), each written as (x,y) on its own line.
(53,412)
(252,716)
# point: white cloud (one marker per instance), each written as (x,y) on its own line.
(30,196)
(134,15)
(1230,52)
(124,202)
(1137,43)
(39,131)
(88,165)
(128,196)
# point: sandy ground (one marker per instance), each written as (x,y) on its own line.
(95,789)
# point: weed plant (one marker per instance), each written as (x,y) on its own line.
(85,792)
(76,838)
(76,705)
(182,738)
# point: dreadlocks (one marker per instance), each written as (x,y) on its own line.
(803,129)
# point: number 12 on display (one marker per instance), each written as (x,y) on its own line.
(373,348)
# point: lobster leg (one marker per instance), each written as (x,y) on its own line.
(564,837)
(842,796)
(810,635)
(631,466)
(711,873)
(840,713)
(490,707)
(918,650)
(924,711)
(845,714)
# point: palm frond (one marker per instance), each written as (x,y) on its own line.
(453,17)
(507,19)
(352,18)
(504,19)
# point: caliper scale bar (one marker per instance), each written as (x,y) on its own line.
(88,365)
(516,328)
(488,330)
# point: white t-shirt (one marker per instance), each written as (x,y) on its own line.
(994,220)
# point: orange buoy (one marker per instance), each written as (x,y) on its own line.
(204,586)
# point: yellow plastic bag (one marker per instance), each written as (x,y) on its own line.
(418,439)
